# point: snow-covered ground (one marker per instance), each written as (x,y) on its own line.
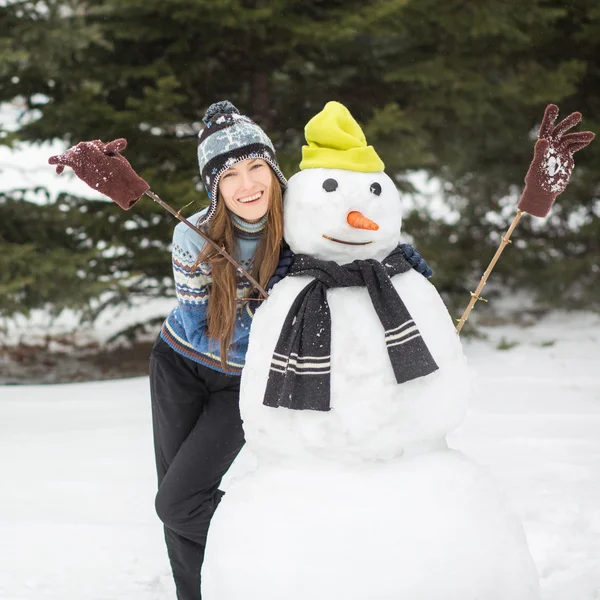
(535,423)
(76,510)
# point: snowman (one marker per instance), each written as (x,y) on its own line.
(353,378)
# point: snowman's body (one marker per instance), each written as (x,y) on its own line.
(428,527)
(365,500)
(371,417)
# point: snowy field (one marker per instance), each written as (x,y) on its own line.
(76,510)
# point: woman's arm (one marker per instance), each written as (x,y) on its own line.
(191,286)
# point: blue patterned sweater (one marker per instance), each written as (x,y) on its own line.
(185,329)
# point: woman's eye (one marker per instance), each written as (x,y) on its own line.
(257,165)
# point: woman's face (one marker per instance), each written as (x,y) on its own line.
(246,188)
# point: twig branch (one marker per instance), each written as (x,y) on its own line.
(220,250)
(475,295)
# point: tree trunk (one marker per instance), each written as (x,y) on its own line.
(261,99)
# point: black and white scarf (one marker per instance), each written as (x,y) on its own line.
(301,363)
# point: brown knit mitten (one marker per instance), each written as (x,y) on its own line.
(103,168)
(552,163)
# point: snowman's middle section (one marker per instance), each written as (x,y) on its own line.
(372,417)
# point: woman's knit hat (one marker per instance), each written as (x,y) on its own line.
(227,139)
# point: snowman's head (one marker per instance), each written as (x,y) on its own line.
(342,215)
(341,206)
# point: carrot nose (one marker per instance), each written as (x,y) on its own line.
(358,220)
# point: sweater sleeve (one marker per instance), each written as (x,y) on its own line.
(191,286)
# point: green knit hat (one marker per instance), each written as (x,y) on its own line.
(336,141)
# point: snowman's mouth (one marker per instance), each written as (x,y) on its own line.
(349,243)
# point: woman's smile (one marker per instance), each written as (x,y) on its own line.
(250,199)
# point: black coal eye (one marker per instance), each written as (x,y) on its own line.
(330,185)
(375,189)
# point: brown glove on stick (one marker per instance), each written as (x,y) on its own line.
(552,163)
(103,168)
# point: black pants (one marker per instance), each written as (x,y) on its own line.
(197,435)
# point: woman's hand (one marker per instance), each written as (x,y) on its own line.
(286,260)
(416,261)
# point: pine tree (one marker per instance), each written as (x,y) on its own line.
(476,79)
(147,71)
(452,88)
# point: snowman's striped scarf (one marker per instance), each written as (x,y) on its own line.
(300,367)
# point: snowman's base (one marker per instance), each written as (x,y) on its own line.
(430,527)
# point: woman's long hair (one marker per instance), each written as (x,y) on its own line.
(222,299)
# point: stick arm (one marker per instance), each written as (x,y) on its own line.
(220,250)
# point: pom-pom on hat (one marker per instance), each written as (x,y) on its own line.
(227,139)
(336,141)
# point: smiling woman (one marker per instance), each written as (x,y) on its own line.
(196,362)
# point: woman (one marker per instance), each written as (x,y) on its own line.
(196,362)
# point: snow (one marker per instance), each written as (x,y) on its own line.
(556,170)
(404,528)
(76,509)
(535,423)
(78,484)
